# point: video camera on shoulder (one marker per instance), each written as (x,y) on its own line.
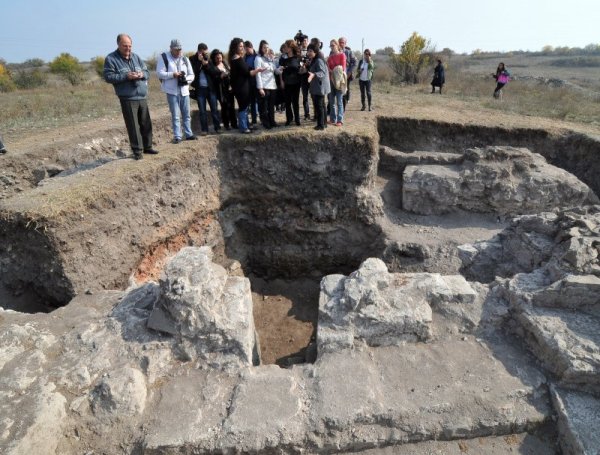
(299,37)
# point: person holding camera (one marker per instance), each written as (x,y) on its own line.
(129,76)
(302,41)
(204,88)
(176,74)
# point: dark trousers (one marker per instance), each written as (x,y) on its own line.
(346,97)
(228,114)
(499,86)
(204,95)
(305,104)
(365,88)
(292,103)
(319,106)
(266,105)
(138,123)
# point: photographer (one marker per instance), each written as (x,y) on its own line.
(302,41)
(204,88)
(175,73)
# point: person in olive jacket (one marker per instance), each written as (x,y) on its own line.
(204,87)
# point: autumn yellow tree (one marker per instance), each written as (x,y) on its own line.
(6,82)
(412,60)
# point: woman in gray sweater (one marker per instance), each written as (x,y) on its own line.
(319,86)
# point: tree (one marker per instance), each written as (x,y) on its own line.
(67,66)
(6,82)
(412,60)
(388,50)
(98,64)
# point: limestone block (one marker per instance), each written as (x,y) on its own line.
(578,421)
(121,393)
(505,180)
(209,312)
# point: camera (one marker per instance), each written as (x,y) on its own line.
(181,80)
(299,37)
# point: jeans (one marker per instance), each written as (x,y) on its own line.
(243,119)
(336,100)
(138,124)
(365,86)
(204,95)
(179,103)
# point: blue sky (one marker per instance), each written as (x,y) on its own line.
(45,28)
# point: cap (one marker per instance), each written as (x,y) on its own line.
(175,44)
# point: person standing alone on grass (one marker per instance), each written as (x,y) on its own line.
(176,74)
(439,77)
(365,75)
(129,75)
(502,77)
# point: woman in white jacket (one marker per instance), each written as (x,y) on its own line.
(266,85)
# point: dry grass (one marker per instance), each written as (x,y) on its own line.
(61,105)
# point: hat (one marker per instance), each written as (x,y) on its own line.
(175,44)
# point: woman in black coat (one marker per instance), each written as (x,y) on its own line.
(439,77)
(240,81)
(291,82)
(222,83)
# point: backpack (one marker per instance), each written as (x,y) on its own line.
(339,78)
(166,62)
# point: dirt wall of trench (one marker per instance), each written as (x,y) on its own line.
(577,153)
(88,231)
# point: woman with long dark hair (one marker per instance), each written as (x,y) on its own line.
(502,77)
(291,82)
(266,86)
(222,85)
(240,81)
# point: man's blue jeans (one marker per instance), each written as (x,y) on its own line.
(204,95)
(180,104)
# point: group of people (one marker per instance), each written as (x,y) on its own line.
(256,81)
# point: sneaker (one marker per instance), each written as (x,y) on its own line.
(191,138)
(339,124)
(176,141)
(151,152)
(247,131)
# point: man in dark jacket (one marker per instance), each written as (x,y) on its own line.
(204,88)
(129,75)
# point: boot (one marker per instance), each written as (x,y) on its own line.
(363,108)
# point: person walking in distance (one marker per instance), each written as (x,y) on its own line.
(439,77)
(129,75)
(502,77)
(176,74)
(365,76)
(350,67)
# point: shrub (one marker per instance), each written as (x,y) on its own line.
(33,63)
(151,62)
(413,60)
(98,64)
(6,82)
(30,79)
(67,66)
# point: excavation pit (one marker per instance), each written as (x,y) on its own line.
(285,211)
